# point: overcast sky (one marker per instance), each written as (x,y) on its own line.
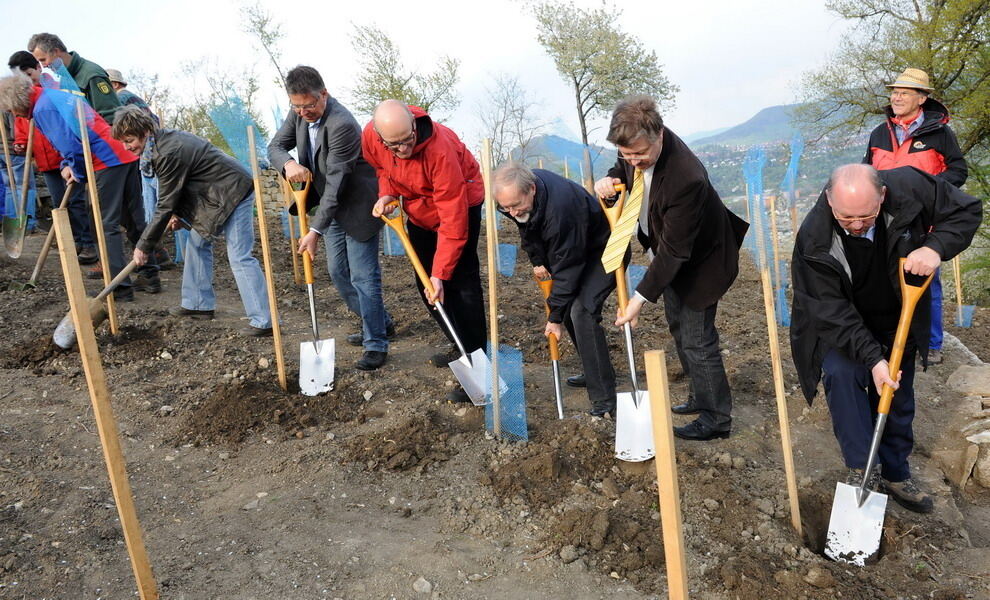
(729,58)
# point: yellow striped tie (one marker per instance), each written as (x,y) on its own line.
(618,241)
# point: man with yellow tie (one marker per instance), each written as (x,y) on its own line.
(693,243)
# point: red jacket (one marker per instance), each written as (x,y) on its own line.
(45,155)
(438,183)
(933,148)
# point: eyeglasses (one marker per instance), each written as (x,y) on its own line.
(406,141)
(644,156)
(903,94)
(302,107)
(851,220)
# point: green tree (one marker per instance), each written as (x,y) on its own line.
(950,40)
(601,62)
(262,26)
(383,76)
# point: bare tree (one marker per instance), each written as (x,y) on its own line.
(508,120)
(267,32)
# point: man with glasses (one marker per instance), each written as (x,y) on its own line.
(439,181)
(916,133)
(564,231)
(846,304)
(327,141)
(693,243)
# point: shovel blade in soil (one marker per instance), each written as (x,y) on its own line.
(13,235)
(853,530)
(316,362)
(472,373)
(633,428)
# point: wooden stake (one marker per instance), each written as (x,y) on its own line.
(6,154)
(94,200)
(289,200)
(775,244)
(666,466)
(99,395)
(587,174)
(778,379)
(259,204)
(957,276)
(492,235)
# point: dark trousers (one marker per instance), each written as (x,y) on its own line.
(78,215)
(121,204)
(696,339)
(462,296)
(583,320)
(852,400)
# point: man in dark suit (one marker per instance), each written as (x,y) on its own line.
(693,242)
(327,140)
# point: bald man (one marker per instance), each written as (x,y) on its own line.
(439,181)
(847,304)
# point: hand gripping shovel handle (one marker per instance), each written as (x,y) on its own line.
(43,256)
(307,260)
(546,286)
(910,294)
(397,225)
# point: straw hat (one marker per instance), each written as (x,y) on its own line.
(910,78)
(115,76)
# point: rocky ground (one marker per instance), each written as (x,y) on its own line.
(380,489)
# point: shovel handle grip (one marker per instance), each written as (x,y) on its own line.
(612,214)
(397,225)
(910,294)
(307,260)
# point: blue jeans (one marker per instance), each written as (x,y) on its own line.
(935,341)
(197,275)
(149,194)
(12,196)
(852,400)
(357,275)
(78,215)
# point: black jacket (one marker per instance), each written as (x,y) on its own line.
(566,233)
(344,185)
(933,148)
(694,237)
(197,182)
(919,210)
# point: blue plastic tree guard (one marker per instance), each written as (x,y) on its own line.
(512,401)
(507,259)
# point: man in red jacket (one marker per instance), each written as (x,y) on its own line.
(916,133)
(428,166)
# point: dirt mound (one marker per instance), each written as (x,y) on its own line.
(34,354)
(230,412)
(416,444)
(625,540)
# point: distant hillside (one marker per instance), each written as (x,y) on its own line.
(554,150)
(699,135)
(771,124)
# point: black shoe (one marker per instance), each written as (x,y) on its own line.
(577,381)
(252,331)
(357,339)
(148,284)
(371,360)
(685,409)
(88,256)
(458,396)
(696,430)
(95,273)
(124,294)
(441,359)
(603,411)
(178,311)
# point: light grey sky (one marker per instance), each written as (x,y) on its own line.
(729,58)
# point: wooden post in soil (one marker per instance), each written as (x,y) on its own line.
(99,394)
(266,256)
(492,242)
(957,277)
(665,462)
(778,377)
(587,175)
(94,200)
(289,200)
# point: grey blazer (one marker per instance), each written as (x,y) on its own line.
(344,185)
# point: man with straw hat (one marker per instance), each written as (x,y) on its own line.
(916,133)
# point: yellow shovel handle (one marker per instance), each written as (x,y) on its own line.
(300,196)
(612,214)
(910,294)
(397,225)
(546,286)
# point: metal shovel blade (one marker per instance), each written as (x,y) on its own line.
(633,427)
(472,372)
(853,530)
(13,235)
(316,367)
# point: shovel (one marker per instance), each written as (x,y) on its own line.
(471,370)
(316,358)
(633,421)
(856,523)
(14,227)
(43,256)
(65,334)
(546,285)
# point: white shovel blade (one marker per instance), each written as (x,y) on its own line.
(633,428)
(853,530)
(316,367)
(472,373)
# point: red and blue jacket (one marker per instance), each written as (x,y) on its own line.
(54,113)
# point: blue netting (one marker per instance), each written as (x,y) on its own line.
(787,186)
(512,399)
(634,274)
(232,119)
(391,244)
(507,259)
(753,165)
(964,315)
